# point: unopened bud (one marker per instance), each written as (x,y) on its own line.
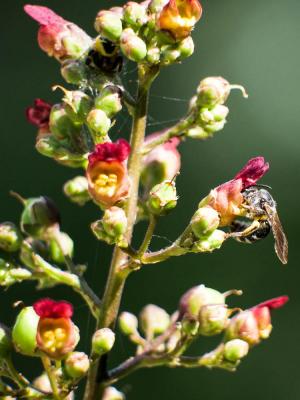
(154,320)
(213,90)
(109,100)
(76,190)
(135,14)
(169,54)
(128,323)
(213,319)
(103,341)
(186,47)
(5,343)
(132,46)
(197,297)
(190,326)
(204,222)
(112,393)
(109,24)
(235,349)
(76,364)
(212,242)
(162,198)
(60,246)
(42,383)
(153,55)
(243,326)
(113,225)
(10,237)
(77,104)
(197,132)
(38,215)
(24,332)
(74,71)
(99,124)
(156,6)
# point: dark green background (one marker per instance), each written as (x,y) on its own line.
(255,43)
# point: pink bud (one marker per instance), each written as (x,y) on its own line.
(39,113)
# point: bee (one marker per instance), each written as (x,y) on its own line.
(104,56)
(261,209)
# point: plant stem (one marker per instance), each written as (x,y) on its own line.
(52,379)
(117,276)
(148,235)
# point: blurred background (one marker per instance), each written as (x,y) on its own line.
(255,44)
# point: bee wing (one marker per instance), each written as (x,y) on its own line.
(281,243)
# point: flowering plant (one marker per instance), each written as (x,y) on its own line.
(129,181)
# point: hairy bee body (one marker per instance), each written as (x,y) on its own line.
(260,233)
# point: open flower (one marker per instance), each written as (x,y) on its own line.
(254,324)
(178,17)
(56,333)
(107,172)
(39,114)
(56,36)
(162,163)
(227,198)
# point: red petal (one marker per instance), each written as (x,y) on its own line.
(43,15)
(48,308)
(118,151)
(252,171)
(277,302)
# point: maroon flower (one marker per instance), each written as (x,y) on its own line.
(56,36)
(39,114)
(252,171)
(56,333)
(107,172)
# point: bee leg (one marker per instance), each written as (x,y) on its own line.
(246,232)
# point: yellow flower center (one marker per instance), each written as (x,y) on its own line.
(106,184)
(54,339)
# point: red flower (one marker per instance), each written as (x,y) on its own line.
(227,198)
(56,333)
(254,324)
(179,17)
(56,36)
(39,114)
(162,163)
(107,172)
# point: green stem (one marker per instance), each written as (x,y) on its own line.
(52,379)
(117,276)
(148,235)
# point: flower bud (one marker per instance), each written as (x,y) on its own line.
(111,393)
(154,320)
(178,17)
(5,342)
(243,326)
(132,46)
(204,222)
(38,114)
(24,332)
(38,215)
(10,237)
(190,326)
(99,124)
(74,72)
(162,198)
(212,91)
(197,132)
(156,6)
(212,242)
(42,383)
(103,341)
(60,246)
(197,297)
(235,349)
(77,104)
(109,100)
(56,36)
(135,14)
(76,364)
(169,54)
(61,125)
(213,319)
(153,55)
(109,24)
(128,323)
(112,227)
(76,190)
(186,47)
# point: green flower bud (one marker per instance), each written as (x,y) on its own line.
(190,326)
(38,215)
(10,237)
(112,393)
(5,342)
(109,24)
(197,132)
(156,6)
(109,100)
(169,54)
(61,125)
(128,323)
(77,104)
(76,190)
(186,47)
(25,330)
(132,46)
(197,297)
(74,71)
(76,364)
(112,227)
(235,349)
(99,124)
(212,242)
(204,222)
(60,246)
(153,55)
(213,90)
(135,14)
(162,198)
(154,320)
(213,319)
(103,341)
